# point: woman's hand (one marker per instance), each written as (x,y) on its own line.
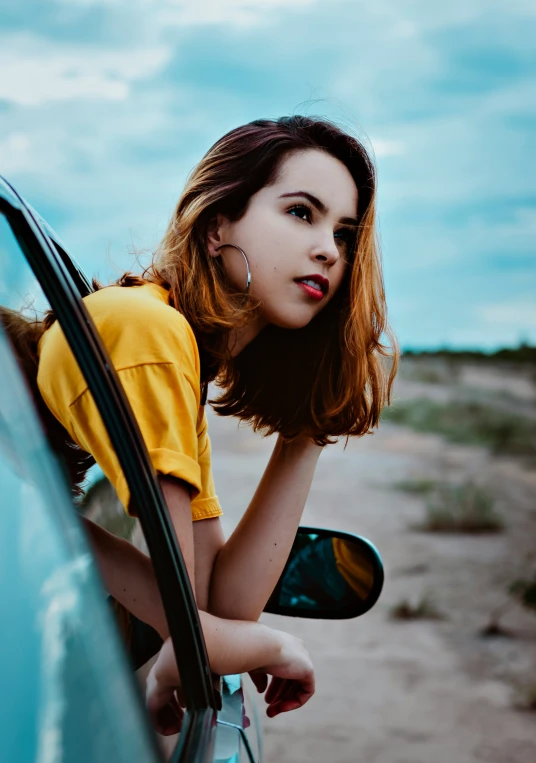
(293,681)
(289,664)
(164,703)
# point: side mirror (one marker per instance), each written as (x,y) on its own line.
(329,575)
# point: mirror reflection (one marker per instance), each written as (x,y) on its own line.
(328,575)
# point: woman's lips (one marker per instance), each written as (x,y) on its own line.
(310,290)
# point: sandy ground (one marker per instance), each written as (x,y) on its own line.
(398,691)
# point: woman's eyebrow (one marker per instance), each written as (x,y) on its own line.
(320,206)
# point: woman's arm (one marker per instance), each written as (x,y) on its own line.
(128,576)
(242,645)
(128,573)
(248,566)
(232,646)
(233,580)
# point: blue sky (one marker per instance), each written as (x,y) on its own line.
(106,105)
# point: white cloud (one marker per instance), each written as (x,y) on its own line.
(515,313)
(15,154)
(241,13)
(385,147)
(34,71)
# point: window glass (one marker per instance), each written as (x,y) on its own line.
(18,286)
(98,500)
(20,291)
(71,694)
(71,690)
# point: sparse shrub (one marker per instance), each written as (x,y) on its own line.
(429,371)
(470,423)
(525,592)
(465,508)
(425,374)
(417,486)
(525,698)
(423,609)
(523,354)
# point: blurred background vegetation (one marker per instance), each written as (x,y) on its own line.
(487,401)
(471,397)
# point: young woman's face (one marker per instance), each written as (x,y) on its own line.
(296,234)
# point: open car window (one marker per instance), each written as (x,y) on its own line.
(70,690)
(33,272)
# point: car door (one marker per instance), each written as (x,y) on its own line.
(62,288)
(68,691)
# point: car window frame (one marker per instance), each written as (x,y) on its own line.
(64,286)
(26,452)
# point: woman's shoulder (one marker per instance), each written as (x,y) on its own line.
(108,299)
(138,326)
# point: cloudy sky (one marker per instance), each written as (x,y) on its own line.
(106,105)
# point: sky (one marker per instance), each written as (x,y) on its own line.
(107,105)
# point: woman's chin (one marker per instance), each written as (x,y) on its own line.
(296,319)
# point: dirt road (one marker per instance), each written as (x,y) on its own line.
(394,691)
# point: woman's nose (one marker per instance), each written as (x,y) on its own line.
(326,251)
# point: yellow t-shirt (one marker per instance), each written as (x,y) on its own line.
(154,351)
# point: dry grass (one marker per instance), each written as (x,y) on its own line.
(434,371)
(471,423)
(419,486)
(524,590)
(465,508)
(422,609)
(525,698)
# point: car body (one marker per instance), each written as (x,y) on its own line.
(69,690)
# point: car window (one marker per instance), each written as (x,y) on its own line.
(18,286)
(21,292)
(68,690)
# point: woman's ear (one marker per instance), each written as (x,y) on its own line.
(215,236)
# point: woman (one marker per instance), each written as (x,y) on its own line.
(267,281)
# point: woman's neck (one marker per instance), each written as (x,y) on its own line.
(242,336)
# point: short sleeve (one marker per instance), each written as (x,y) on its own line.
(165,405)
(206,505)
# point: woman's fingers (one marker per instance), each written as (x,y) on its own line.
(283,688)
(290,696)
(260,679)
(293,680)
(273,689)
(168,720)
(288,690)
(282,707)
(280,692)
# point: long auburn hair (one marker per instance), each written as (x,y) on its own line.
(328,379)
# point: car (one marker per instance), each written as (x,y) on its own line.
(70,693)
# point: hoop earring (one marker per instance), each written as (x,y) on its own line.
(248,283)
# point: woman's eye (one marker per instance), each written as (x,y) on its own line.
(301,211)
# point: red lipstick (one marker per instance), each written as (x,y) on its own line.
(315,286)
